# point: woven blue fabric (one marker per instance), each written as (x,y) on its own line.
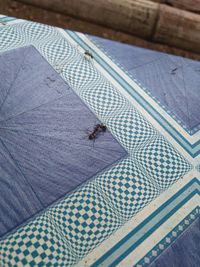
(168,78)
(44,147)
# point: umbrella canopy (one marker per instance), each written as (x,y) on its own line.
(145,193)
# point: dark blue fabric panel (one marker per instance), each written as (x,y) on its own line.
(173,80)
(184,252)
(44,130)
(27,82)
(17,199)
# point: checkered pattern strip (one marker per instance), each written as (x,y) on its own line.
(127,188)
(131,129)
(162,162)
(40,243)
(10,38)
(85,218)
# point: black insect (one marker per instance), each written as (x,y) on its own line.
(96,131)
(100,127)
(174,71)
(92,136)
(88,55)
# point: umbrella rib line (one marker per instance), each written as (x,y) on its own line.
(19,114)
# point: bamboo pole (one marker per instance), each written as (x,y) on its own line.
(178,28)
(142,18)
(189,5)
(136,17)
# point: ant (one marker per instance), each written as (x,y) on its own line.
(88,56)
(97,129)
(174,71)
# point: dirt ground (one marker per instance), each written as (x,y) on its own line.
(16,9)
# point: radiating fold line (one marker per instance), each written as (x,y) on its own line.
(24,112)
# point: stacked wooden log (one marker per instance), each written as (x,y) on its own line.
(154,21)
(189,5)
(159,21)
